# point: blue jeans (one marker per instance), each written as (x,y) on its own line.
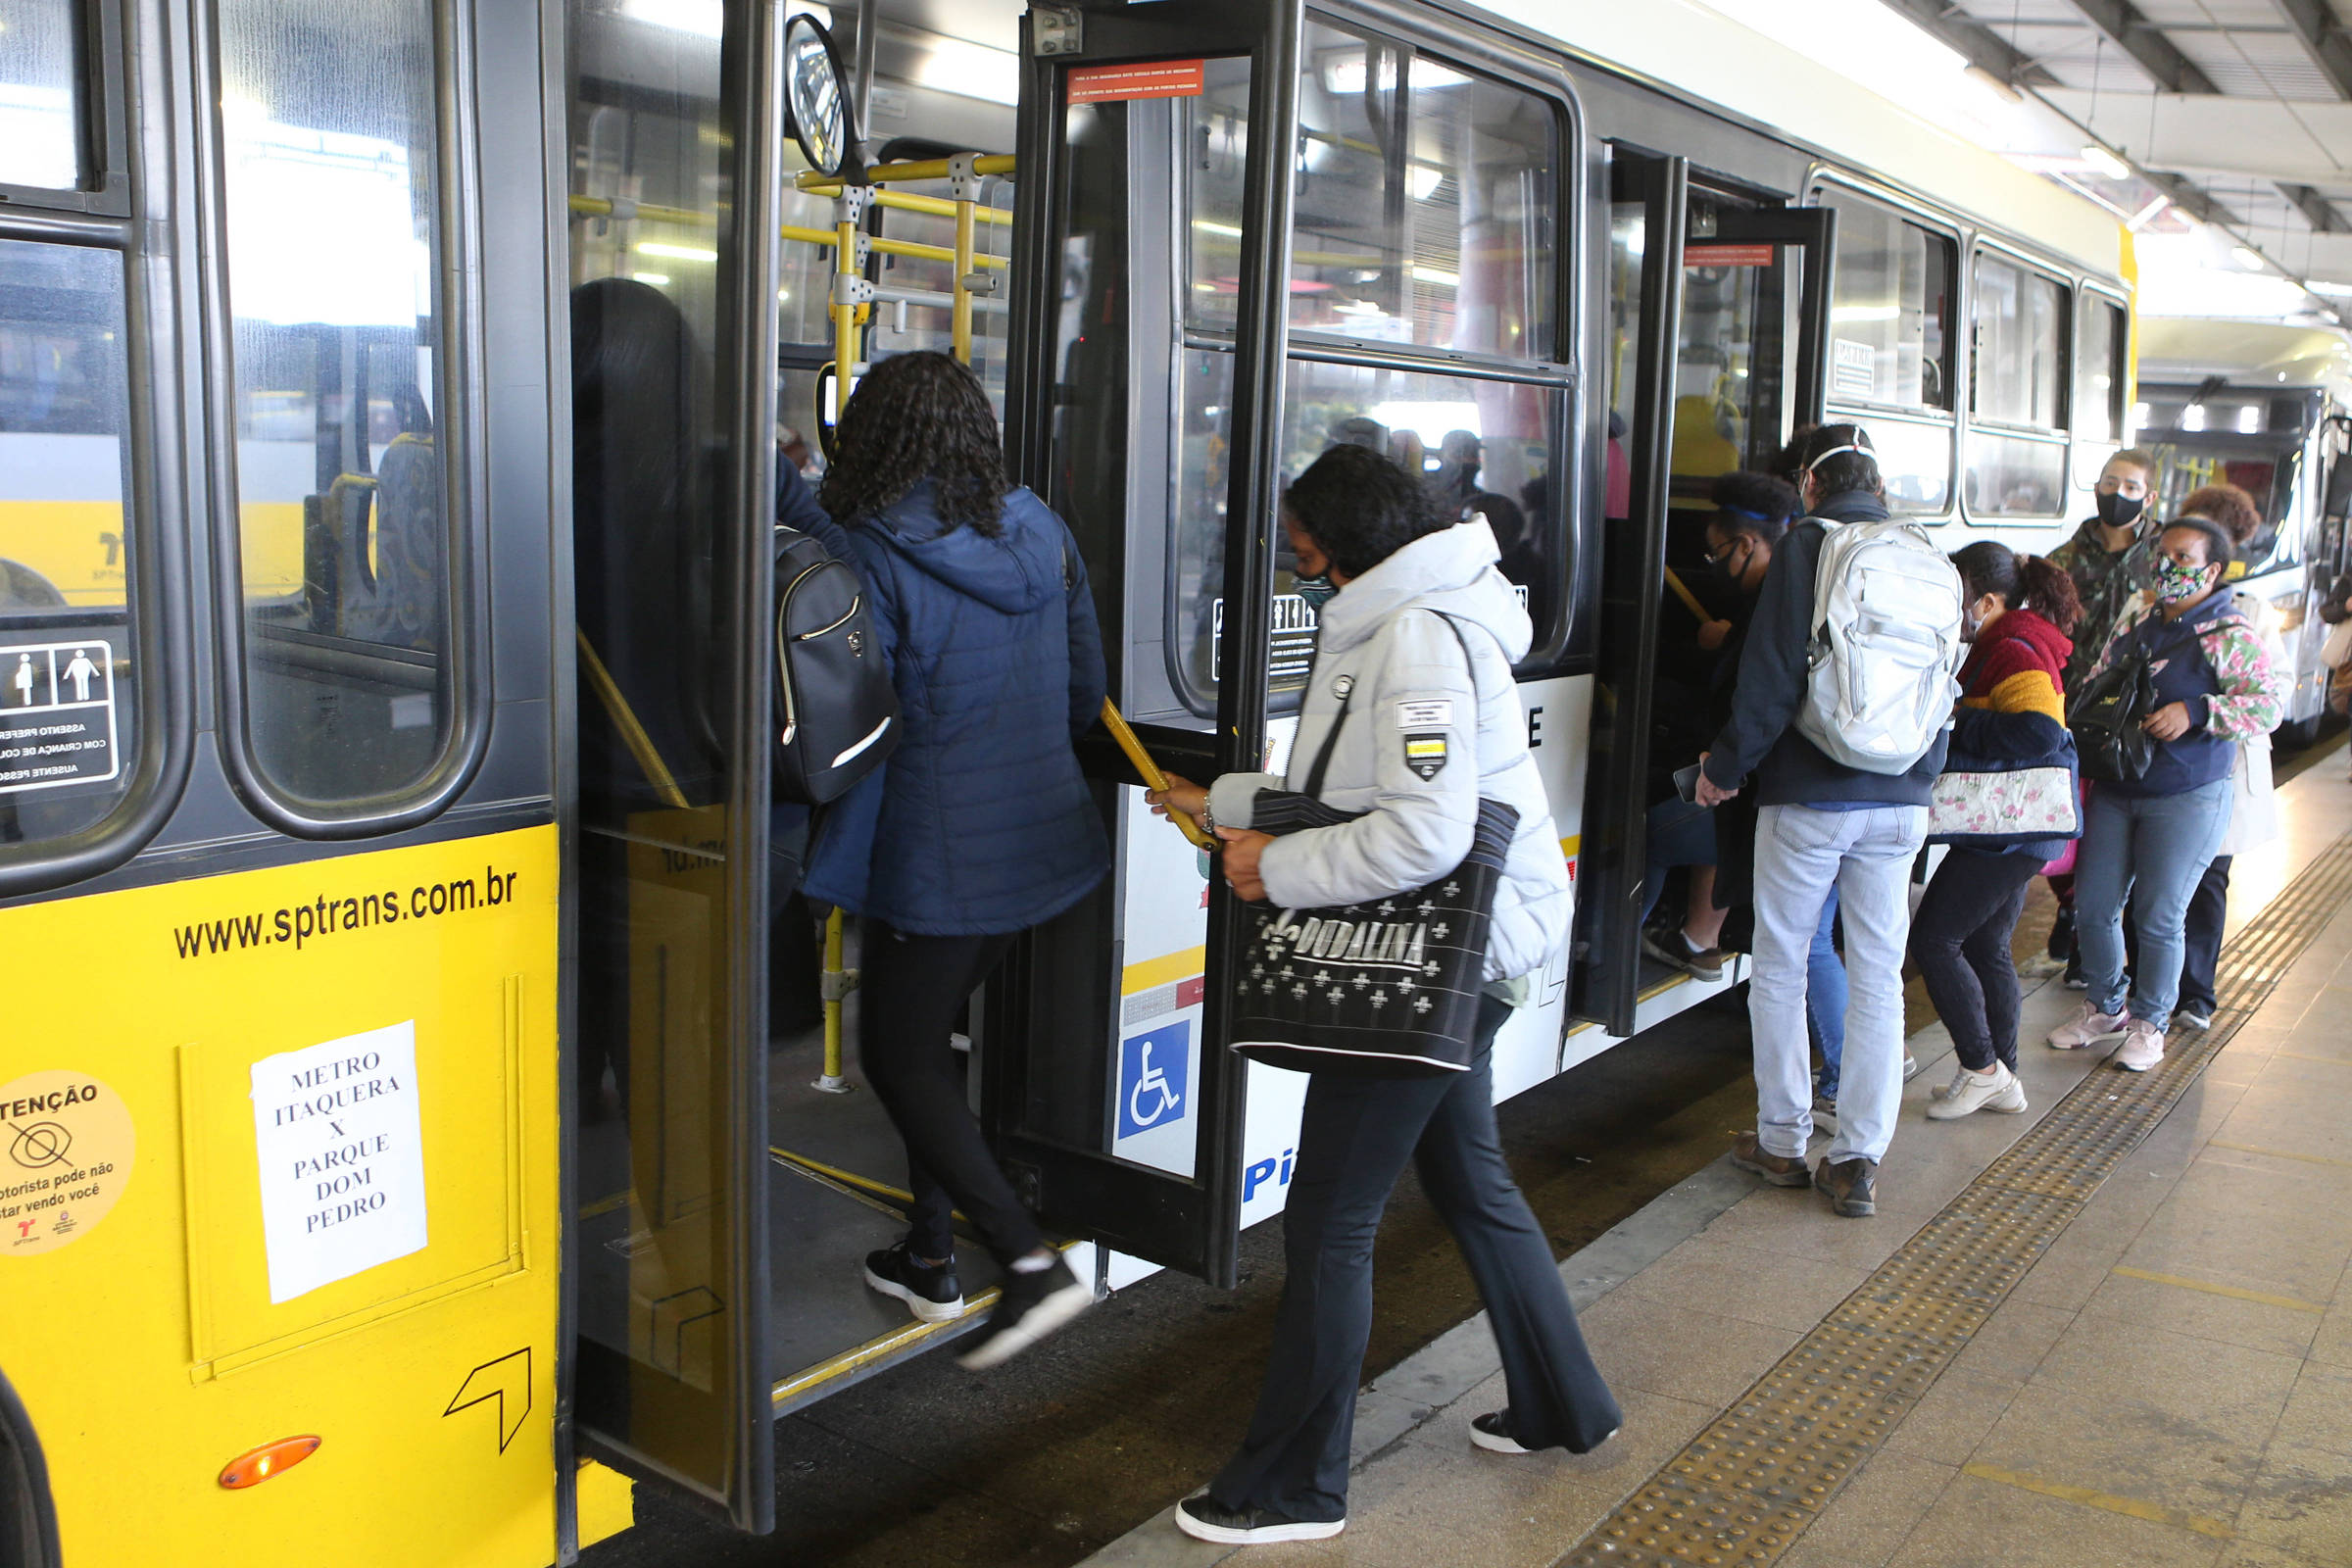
(1826,1000)
(1678,833)
(1801,853)
(2151,849)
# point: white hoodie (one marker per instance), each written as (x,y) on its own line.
(1421,745)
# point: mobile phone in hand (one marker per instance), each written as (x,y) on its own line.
(1686,783)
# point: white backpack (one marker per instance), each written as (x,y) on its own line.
(1885,645)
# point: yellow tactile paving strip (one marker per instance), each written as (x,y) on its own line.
(1749,1484)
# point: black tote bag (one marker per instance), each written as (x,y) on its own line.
(1387,988)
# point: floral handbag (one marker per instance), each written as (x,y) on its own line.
(1991,809)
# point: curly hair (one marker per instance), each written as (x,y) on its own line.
(917,417)
(1750,503)
(1360,508)
(2228,505)
(2024,583)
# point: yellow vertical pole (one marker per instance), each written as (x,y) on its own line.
(963,186)
(835,985)
(837,982)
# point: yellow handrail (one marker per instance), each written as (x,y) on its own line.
(894,174)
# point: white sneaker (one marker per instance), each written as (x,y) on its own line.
(2087,1027)
(2143,1047)
(1910,1066)
(1971,1091)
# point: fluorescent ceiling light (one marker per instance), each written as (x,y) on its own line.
(1208,228)
(2249,419)
(679,253)
(2192,417)
(1430,274)
(967,70)
(1865,312)
(654,278)
(2334,291)
(2248,258)
(2105,161)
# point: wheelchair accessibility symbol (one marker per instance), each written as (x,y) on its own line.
(1152,1072)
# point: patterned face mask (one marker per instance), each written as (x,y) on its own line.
(2176,582)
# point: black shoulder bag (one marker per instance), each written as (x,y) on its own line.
(1388,988)
(2109,746)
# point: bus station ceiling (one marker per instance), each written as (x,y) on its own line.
(2237,111)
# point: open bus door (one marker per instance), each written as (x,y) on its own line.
(1648,207)
(674,464)
(1109,1086)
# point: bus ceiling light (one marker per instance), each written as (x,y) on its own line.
(256,1465)
(2103,162)
(1865,313)
(680,253)
(657,279)
(2249,419)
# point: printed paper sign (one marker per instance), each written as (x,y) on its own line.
(1730,255)
(1434,713)
(1164,79)
(1853,368)
(342,1164)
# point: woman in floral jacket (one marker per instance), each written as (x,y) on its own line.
(2151,838)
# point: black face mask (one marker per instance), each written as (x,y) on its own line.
(1722,569)
(2119,511)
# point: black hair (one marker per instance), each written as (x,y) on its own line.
(1753,504)
(2024,583)
(917,417)
(1360,508)
(2219,550)
(1836,475)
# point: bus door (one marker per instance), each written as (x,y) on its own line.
(676,145)
(1117,1106)
(1648,210)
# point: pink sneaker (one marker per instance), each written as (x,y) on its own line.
(2143,1047)
(2088,1028)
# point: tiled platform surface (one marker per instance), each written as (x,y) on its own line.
(2170,1383)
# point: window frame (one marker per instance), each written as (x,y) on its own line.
(461,405)
(1949,420)
(1554,651)
(2062,437)
(129,213)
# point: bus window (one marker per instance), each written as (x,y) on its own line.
(2102,335)
(343,527)
(40,96)
(2017,352)
(67,729)
(1890,349)
(1425,202)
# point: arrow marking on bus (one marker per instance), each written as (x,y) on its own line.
(509,1375)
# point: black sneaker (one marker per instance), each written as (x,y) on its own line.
(1204,1519)
(2193,1015)
(1031,1307)
(1852,1186)
(1493,1433)
(929,1290)
(2062,934)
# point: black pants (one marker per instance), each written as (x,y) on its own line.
(1354,1140)
(1960,939)
(911,990)
(2200,939)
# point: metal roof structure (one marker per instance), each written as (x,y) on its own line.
(2240,112)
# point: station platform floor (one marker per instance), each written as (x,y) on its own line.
(2114,1330)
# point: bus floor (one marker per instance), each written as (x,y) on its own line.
(837,1189)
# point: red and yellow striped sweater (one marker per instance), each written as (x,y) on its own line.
(2017,665)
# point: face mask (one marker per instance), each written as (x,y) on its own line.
(1316,590)
(2119,511)
(2176,582)
(1970,624)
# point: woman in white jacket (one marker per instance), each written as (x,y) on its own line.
(1434,724)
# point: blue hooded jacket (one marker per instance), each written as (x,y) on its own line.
(980,823)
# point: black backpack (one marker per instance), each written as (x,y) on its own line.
(837,716)
(2109,744)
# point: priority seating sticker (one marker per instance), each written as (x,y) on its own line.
(67,1147)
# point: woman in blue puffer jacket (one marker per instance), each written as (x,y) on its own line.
(980,824)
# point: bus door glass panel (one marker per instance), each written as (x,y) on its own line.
(343,527)
(2101,334)
(69,731)
(2017,335)
(675,1293)
(1106,1101)
(1890,363)
(1648,212)
(41,94)
(2263,465)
